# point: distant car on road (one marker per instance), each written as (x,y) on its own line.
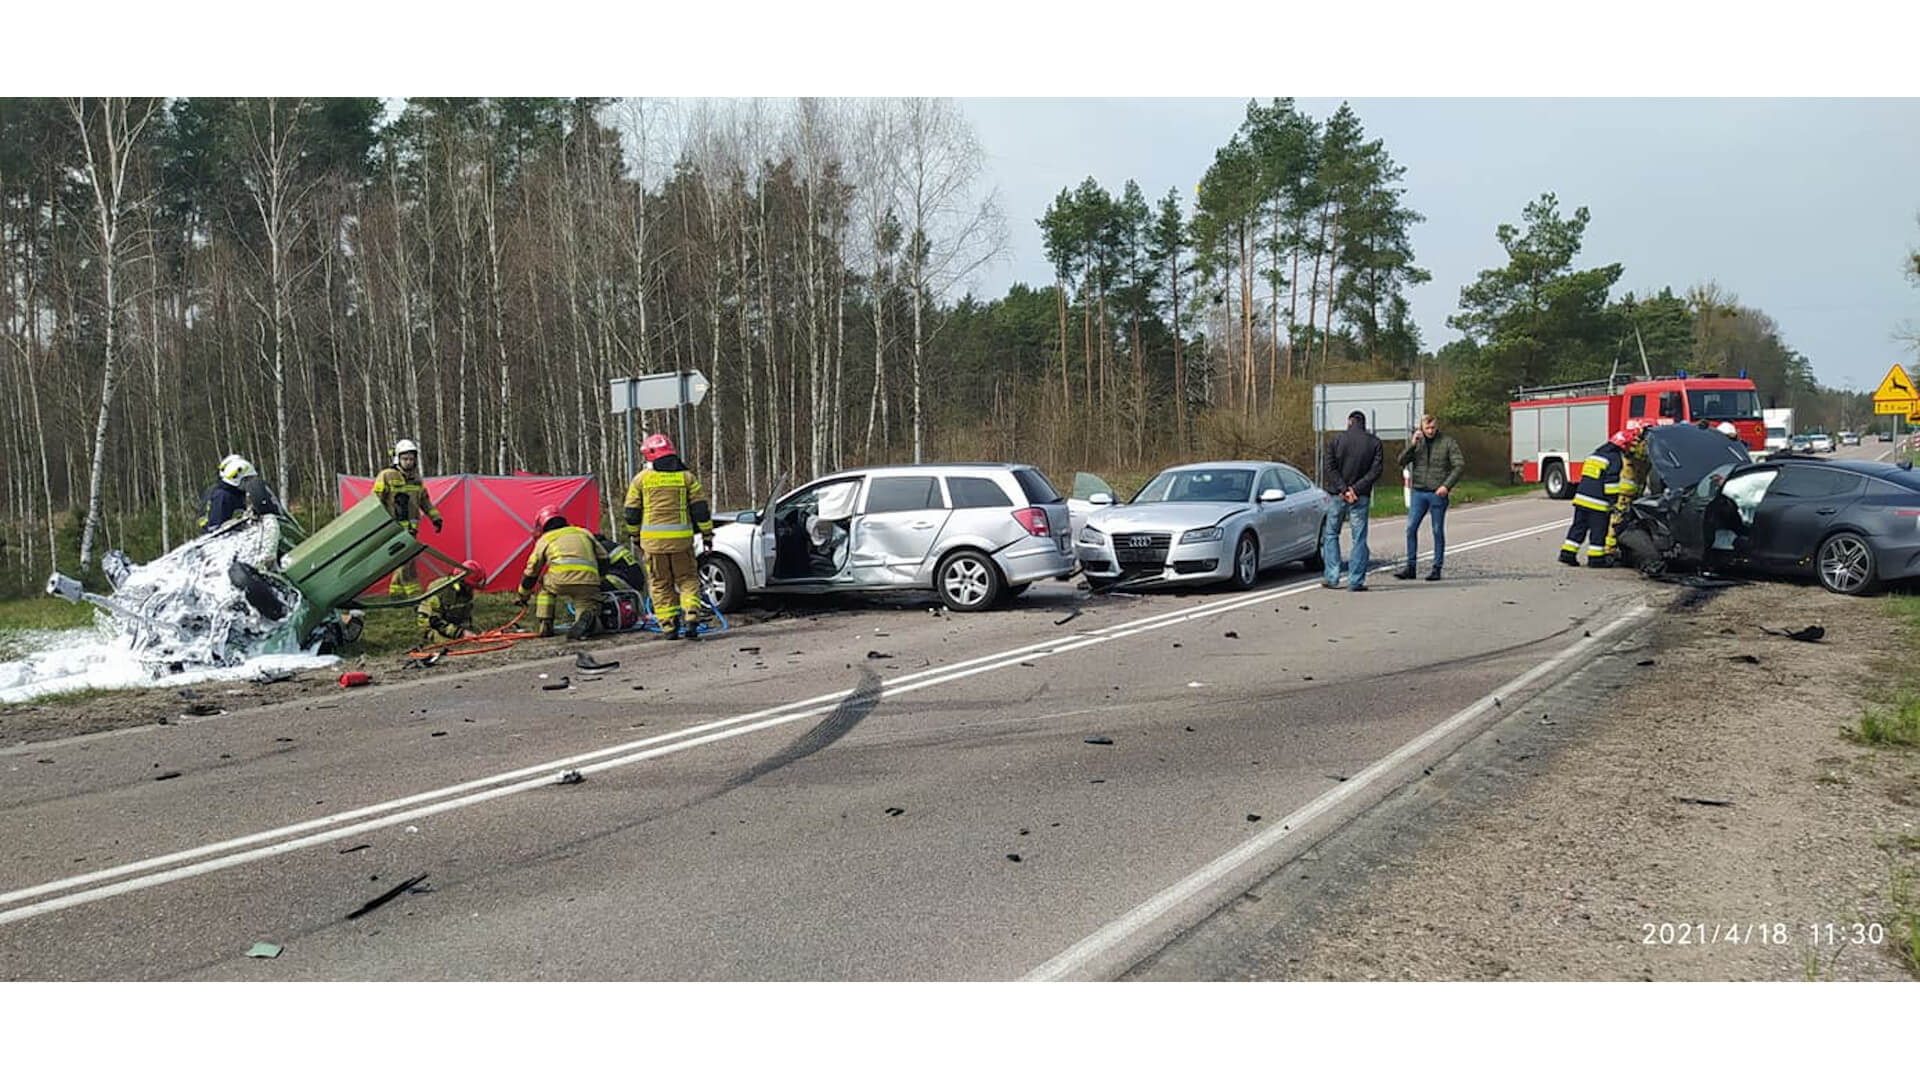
(1212,521)
(974,534)
(1849,438)
(1886,436)
(1800,444)
(1820,442)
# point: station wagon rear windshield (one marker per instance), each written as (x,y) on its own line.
(1038,490)
(1198,485)
(1724,404)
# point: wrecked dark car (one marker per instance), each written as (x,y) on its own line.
(1707,506)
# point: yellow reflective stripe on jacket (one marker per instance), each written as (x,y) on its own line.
(568,556)
(1595,466)
(1591,503)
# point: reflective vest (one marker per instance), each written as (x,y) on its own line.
(569,556)
(1633,470)
(1599,479)
(404,495)
(671,504)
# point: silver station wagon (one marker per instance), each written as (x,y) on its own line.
(1213,521)
(975,534)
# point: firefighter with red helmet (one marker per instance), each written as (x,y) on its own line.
(1634,468)
(446,614)
(1593,502)
(665,505)
(565,565)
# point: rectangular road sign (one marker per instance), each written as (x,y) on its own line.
(1392,408)
(1896,406)
(667,391)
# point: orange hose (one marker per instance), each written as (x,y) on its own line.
(488,641)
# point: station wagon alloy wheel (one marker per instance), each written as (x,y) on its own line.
(968,581)
(1846,564)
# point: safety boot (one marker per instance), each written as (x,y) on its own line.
(1604,562)
(693,628)
(671,629)
(544,627)
(1568,558)
(581,629)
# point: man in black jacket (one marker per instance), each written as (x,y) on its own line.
(1352,465)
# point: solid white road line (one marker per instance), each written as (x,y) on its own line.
(397,811)
(1119,931)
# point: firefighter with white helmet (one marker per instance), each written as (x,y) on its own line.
(238,488)
(401,489)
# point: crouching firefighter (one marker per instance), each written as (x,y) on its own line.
(1634,468)
(446,615)
(565,565)
(1593,502)
(402,490)
(665,503)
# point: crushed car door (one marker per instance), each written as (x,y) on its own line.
(1797,509)
(810,531)
(896,528)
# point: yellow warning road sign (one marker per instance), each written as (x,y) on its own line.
(1896,393)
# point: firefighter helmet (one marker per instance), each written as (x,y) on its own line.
(404,446)
(656,447)
(234,468)
(1621,439)
(548,519)
(476,574)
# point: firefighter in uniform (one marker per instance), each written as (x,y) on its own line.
(1633,474)
(566,565)
(401,490)
(446,614)
(239,488)
(1592,501)
(665,503)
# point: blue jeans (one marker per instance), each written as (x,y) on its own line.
(1330,541)
(1424,503)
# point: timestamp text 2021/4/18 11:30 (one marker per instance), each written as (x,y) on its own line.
(1771,933)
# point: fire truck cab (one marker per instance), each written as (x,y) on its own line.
(1554,428)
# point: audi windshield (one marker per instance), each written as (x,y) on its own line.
(1198,485)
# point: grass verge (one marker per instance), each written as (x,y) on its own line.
(43,613)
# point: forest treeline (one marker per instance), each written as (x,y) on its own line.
(305,280)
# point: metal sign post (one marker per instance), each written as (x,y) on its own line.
(1392,409)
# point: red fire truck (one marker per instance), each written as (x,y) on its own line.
(1554,428)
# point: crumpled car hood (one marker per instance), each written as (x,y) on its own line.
(1681,454)
(1155,516)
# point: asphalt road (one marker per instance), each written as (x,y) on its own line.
(866,791)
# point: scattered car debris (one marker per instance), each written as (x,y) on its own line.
(1098,740)
(875,654)
(203,709)
(1645,663)
(1338,779)
(571,776)
(264,950)
(354,678)
(1744,658)
(1702,802)
(1011,857)
(386,897)
(438,735)
(1235,634)
(268,678)
(354,848)
(1071,615)
(168,776)
(1253,817)
(895,811)
(585,662)
(749,649)
(1195,685)
(561,683)
(1805,633)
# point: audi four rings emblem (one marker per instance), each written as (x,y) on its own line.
(1139,541)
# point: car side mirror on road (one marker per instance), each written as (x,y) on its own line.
(1100,498)
(747,517)
(1272,495)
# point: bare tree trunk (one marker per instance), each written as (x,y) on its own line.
(106,175)
(159,426)
(1333,294)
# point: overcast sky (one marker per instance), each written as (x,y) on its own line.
(1803,208)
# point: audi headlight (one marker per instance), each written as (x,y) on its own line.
(1201,536)
(1091,535)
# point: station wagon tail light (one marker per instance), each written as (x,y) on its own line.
(1033,519)
(1906,513)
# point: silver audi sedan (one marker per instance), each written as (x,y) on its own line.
(1215,521)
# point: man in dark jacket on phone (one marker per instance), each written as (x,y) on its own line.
(1351,465)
